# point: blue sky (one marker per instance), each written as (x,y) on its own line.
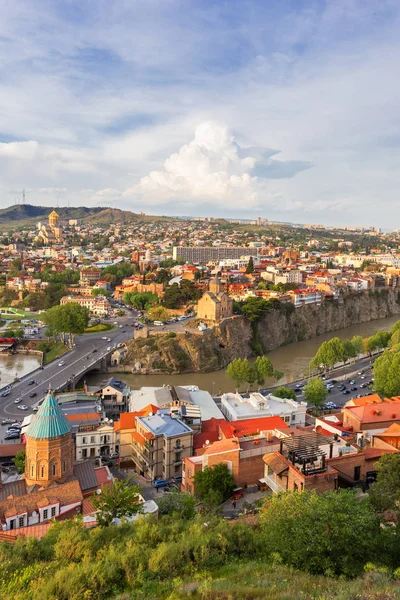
(276,108)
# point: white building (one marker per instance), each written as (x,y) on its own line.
(236,408)
(93,441)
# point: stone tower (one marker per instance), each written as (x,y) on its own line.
(49,446)
(215,285)
(54,219)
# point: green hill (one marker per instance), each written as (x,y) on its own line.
(25,215)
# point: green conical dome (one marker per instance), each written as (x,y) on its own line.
(49,422)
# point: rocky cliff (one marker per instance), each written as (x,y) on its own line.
(213,349)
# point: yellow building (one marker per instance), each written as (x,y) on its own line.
(215,304)
(51,233)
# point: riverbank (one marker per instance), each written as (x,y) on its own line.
(213,349)
(292,360)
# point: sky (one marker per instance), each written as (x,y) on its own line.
(283,109)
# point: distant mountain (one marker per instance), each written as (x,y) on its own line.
(25,214)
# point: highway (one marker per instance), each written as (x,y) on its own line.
(88,350)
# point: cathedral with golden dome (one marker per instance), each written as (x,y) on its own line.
(52,232)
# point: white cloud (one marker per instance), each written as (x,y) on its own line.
(19,150)
(214,167)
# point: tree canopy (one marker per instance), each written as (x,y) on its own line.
(385,492)
(284,392)
(213,485)
(118,500)
(70,318)
(387,373)
(315,392)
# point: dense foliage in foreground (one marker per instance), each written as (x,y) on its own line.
(332,534)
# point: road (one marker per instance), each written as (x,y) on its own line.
(75,360)
(341,376)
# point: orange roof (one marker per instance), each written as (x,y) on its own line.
(84,417)
(231,429)
(392,431)
(376,413)
(128,420)
(138,437)
(372,399)
(223,446)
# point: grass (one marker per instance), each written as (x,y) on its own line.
(100,327)
(18,313)
(57,349)
(255,580)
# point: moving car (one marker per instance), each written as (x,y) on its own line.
(17,401)
(24,406)
(61,363)
(31,382)
(33,395)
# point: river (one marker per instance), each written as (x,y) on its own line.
(292,360)
(17,365)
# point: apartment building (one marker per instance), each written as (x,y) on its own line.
(159,445)
(305,297)
(236,408)
(93,441)
(205,254)
(97,305)
(89,276)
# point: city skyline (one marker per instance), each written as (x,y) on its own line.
(286,110)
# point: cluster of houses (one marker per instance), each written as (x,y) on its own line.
(172,432)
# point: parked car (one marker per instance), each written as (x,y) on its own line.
(5,393)
(106,461)
(114,455)
(12,436)
(363,385)
(346,392)
(353,388)
(160,483)
(31,382)
(33,395)
(360,373)
(6,421)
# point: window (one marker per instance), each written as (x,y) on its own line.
(32,470)
(178,443)
(287,419)
(53,511)
(54,469)
(357,472)
(189,473)
(42,471)
(64,466)
(164,456)
(21,521)
(84,440)
(92,439)
(84,453)
(45,514)
(177,457)
(12,524)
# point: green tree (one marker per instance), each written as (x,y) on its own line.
(255,308)
(385,492)
(358,344)
(284,392)
(101,292)
(68,319)
(116,501)
(320,533)
(387,374)
(395,338)
(263,368)
(179,504)
(19,461)
(315,392)
(142,301)
(213,485)
(238,371)
(250,266)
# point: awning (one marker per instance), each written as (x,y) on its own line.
(276,463)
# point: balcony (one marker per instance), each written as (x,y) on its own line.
(271,481)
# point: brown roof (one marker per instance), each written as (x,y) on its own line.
(275,462)
(64,494)
(11,449)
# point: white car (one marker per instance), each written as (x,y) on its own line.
(61,363)
(17,401)
(104,337)
(23,407)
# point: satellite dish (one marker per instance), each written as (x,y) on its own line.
(207,442)
(98,492)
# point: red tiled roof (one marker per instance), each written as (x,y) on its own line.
(223,446)
(231,429)
(138,437)
(376,413)
(209,431)
(11,449)
(102,476)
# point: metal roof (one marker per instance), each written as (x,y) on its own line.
(49,422)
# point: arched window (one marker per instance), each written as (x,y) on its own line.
(42,471)
(54,469)
(64,466)
(32,469)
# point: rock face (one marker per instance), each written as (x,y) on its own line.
(214,348)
